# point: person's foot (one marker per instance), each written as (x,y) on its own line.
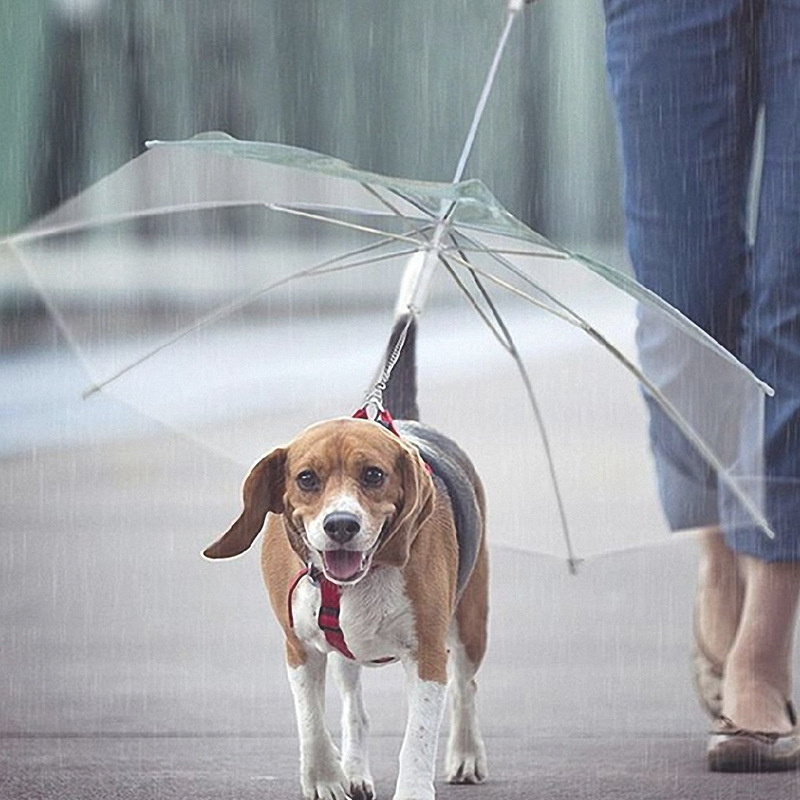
(755,705)
(735,749)
(757,731)
(757,677)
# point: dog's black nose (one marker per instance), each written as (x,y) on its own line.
(341,526)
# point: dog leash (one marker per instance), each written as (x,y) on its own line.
(373,408)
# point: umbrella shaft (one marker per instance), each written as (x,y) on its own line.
(484,98)
(416,280)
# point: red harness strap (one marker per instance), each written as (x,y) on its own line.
(328,617)
(385,418)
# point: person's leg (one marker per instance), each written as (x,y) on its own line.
(718,606)
(683,86)
(757,681)
(720,594)
(683,80)
(771,328)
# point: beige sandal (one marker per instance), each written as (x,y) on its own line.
(733,749)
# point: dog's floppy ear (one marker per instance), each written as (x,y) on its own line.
(263,491)
(417,505)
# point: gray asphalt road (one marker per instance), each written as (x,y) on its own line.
(133,669)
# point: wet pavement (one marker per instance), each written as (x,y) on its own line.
(134,669)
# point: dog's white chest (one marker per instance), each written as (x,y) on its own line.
(375,616)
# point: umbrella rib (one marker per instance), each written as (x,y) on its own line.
(561,312)
(52,308)
(495,230)
(677,418)
(497,333)
(296,212)
(572,560)
(411,201)
(126,216)
(510,346)
(110,219)
(396,211)
(325,268)
(319,269)
(523,253)
(568,313)
(692,330)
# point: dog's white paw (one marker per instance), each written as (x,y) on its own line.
(361,788)
(466,767)
(326,791)
(330,784)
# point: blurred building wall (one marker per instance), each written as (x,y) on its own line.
(388,86)
(21,64)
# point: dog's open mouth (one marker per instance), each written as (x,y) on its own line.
(345,566)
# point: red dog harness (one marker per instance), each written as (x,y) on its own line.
(328,617)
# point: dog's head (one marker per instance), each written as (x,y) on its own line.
(351,492)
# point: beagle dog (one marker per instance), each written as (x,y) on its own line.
(373,552)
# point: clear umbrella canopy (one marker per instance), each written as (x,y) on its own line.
(239,284)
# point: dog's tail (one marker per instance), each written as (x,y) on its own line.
(400,394)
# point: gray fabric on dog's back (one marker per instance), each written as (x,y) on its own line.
(452,466)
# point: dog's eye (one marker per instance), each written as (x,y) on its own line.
(308,481)
(372,476)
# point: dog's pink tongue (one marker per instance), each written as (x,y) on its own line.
(342,564)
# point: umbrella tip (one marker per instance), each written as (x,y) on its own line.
(572,565)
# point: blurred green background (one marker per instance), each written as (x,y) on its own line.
(389,86)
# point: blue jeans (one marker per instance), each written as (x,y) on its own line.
(687,79)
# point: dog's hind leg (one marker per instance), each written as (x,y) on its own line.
(355,728)
(321,775)
(466,753)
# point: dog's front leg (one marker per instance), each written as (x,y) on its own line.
(321,775)
(355,728)
(418,753)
